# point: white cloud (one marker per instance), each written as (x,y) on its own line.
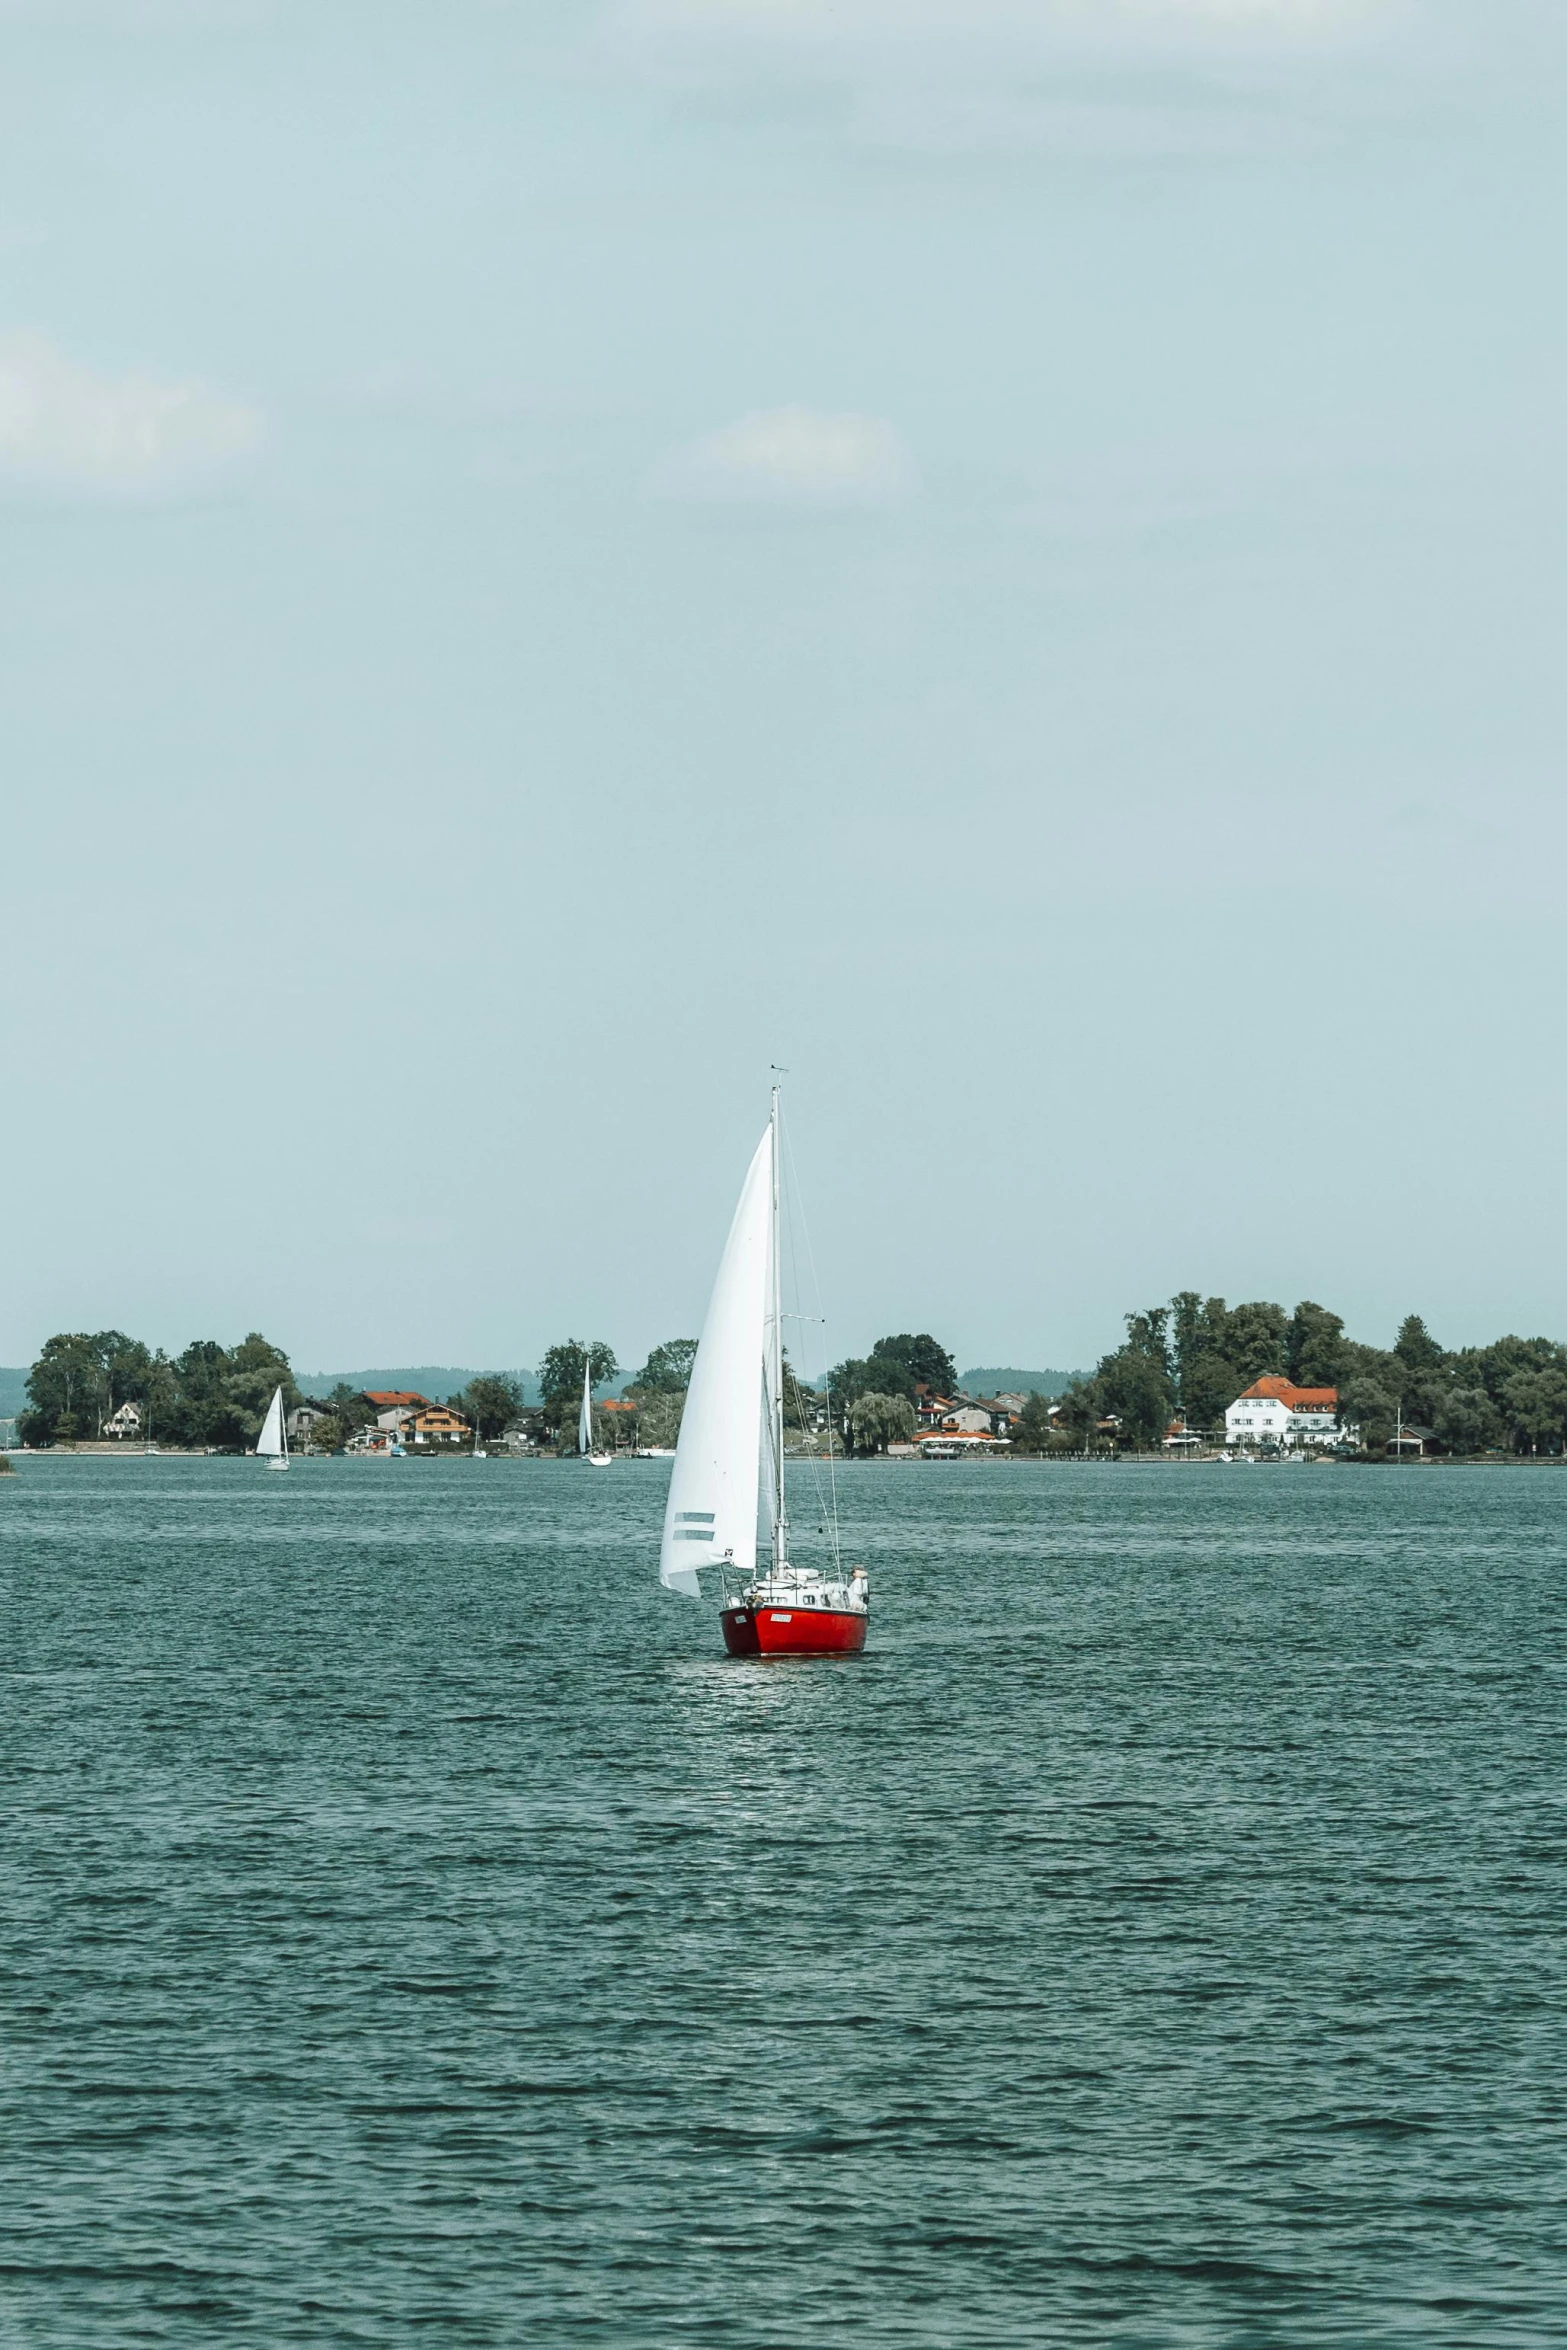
(793,456)
(1164,78)
(63,427)
(899,35)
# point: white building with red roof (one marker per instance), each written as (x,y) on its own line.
(1275,1411)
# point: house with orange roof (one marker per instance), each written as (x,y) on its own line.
(1274,1410)
(929,1408)
(407,1418)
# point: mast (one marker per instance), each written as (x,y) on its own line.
(775,1361)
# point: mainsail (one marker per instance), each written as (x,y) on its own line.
(585,1416)
(711,1515)
(272,1443)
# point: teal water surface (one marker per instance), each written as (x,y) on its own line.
(415,1930)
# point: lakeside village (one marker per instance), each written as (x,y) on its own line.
(1196,1379)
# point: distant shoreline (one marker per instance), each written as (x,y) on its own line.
(992,1460)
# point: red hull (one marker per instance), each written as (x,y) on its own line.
(793,1631)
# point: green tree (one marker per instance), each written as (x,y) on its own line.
(1466,1421)
(1189,1333)
(1033,1428)
(668,1368)
(854,1377)
(1254,1337)
(1207,1378)
(1415,1345)
(65,1391)
(560,1376)
(660,1411)
(160,1404)
(491,1402)
(351,1410)
(1134,1388)
(1364,1403)
(1314,1346)
(1149,1334)
(889,1375)
(875,1421)
(210,1395)
(1535,1403)
(328,1435)
(800,1401)
(200,1404)
(79,1381)
(1209,1385)
(923,1361)
(252,1371)
(1082,1409)
(1374,1362)
(1496,1364)
(222,1394)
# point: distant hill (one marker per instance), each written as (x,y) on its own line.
(13,1393)
(437,1380)
(989,1381)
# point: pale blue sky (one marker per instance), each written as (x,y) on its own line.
(1007,556)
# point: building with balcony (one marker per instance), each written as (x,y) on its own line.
(1274,1410)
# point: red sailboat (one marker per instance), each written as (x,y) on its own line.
(731,1455)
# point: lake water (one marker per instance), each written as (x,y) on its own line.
(414,1930)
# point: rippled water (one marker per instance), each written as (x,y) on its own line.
(414,1930)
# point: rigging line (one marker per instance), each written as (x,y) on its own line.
(787,1195)
(788,1206)
(816,1285)
(794,1203)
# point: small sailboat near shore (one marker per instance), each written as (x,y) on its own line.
(595,1460)
(272,1443)
(730,1457)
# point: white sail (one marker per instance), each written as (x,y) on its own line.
(772,1413)
(272,1442)
(585,1416)
(713,1486)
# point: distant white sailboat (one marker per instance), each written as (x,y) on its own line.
(272,1443)
(595,1460)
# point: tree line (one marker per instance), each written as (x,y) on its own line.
(210,1396)
(868,1401)
(1194,1356)
(657,1393)
(871,1399)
